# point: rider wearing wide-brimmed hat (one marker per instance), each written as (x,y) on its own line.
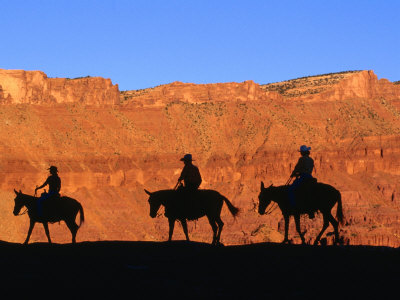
(54,183)
(188,193)
(190,174)
(302,171)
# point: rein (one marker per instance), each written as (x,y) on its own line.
(271,209)
(23,212)
(159,214)
(26,209)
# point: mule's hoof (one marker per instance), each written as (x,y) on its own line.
(323,242)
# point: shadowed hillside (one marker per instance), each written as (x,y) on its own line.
(198,271)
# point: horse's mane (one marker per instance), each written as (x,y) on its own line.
(280,188)
(172,192)
(31,197)
(164,192)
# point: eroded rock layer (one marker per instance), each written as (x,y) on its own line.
(34,87)
(239,134)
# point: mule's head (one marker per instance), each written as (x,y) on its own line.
(264,198)
(18,202)
(154,202)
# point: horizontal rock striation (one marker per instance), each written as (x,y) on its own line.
(239,134)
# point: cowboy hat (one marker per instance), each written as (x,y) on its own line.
(53,168)
(187,157)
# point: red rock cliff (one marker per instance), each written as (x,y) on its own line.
(337,86)
(34,87)
(197,93)
(239,133)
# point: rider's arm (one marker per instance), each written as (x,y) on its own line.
(43,185)
(297,168)
(183,174)
(200,179)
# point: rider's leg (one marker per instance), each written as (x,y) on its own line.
(292,188)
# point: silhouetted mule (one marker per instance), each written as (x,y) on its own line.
(323,198)
(63,209)
(209,204)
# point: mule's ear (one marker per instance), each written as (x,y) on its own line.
(16,193)
(20,192)
(271,185)
(262,185)
(147,192)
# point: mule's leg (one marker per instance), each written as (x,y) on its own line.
(220,226)
(335,225)
(286,217)
(46,230)
(297,221)
(73,227)
(31,225)
(171,228)
(324,227)
(185,230)
(214,229)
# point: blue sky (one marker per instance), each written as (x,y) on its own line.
(140,44)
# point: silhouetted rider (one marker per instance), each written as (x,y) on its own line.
(191,177)
(304,166)
(190,174)
(302,171)
(54,183)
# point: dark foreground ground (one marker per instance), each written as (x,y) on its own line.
(147,270)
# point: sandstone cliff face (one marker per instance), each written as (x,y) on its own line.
(34,87)
(239,135)
(337,86)
(197,93)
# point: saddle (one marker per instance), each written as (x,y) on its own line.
(304,196)
(190,204)
(46,202)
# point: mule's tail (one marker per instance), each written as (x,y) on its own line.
(234,210)
(81,214)
(339,210)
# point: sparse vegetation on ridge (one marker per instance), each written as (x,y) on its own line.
(129,94)
(82,77)
(319,75)
(306,85)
